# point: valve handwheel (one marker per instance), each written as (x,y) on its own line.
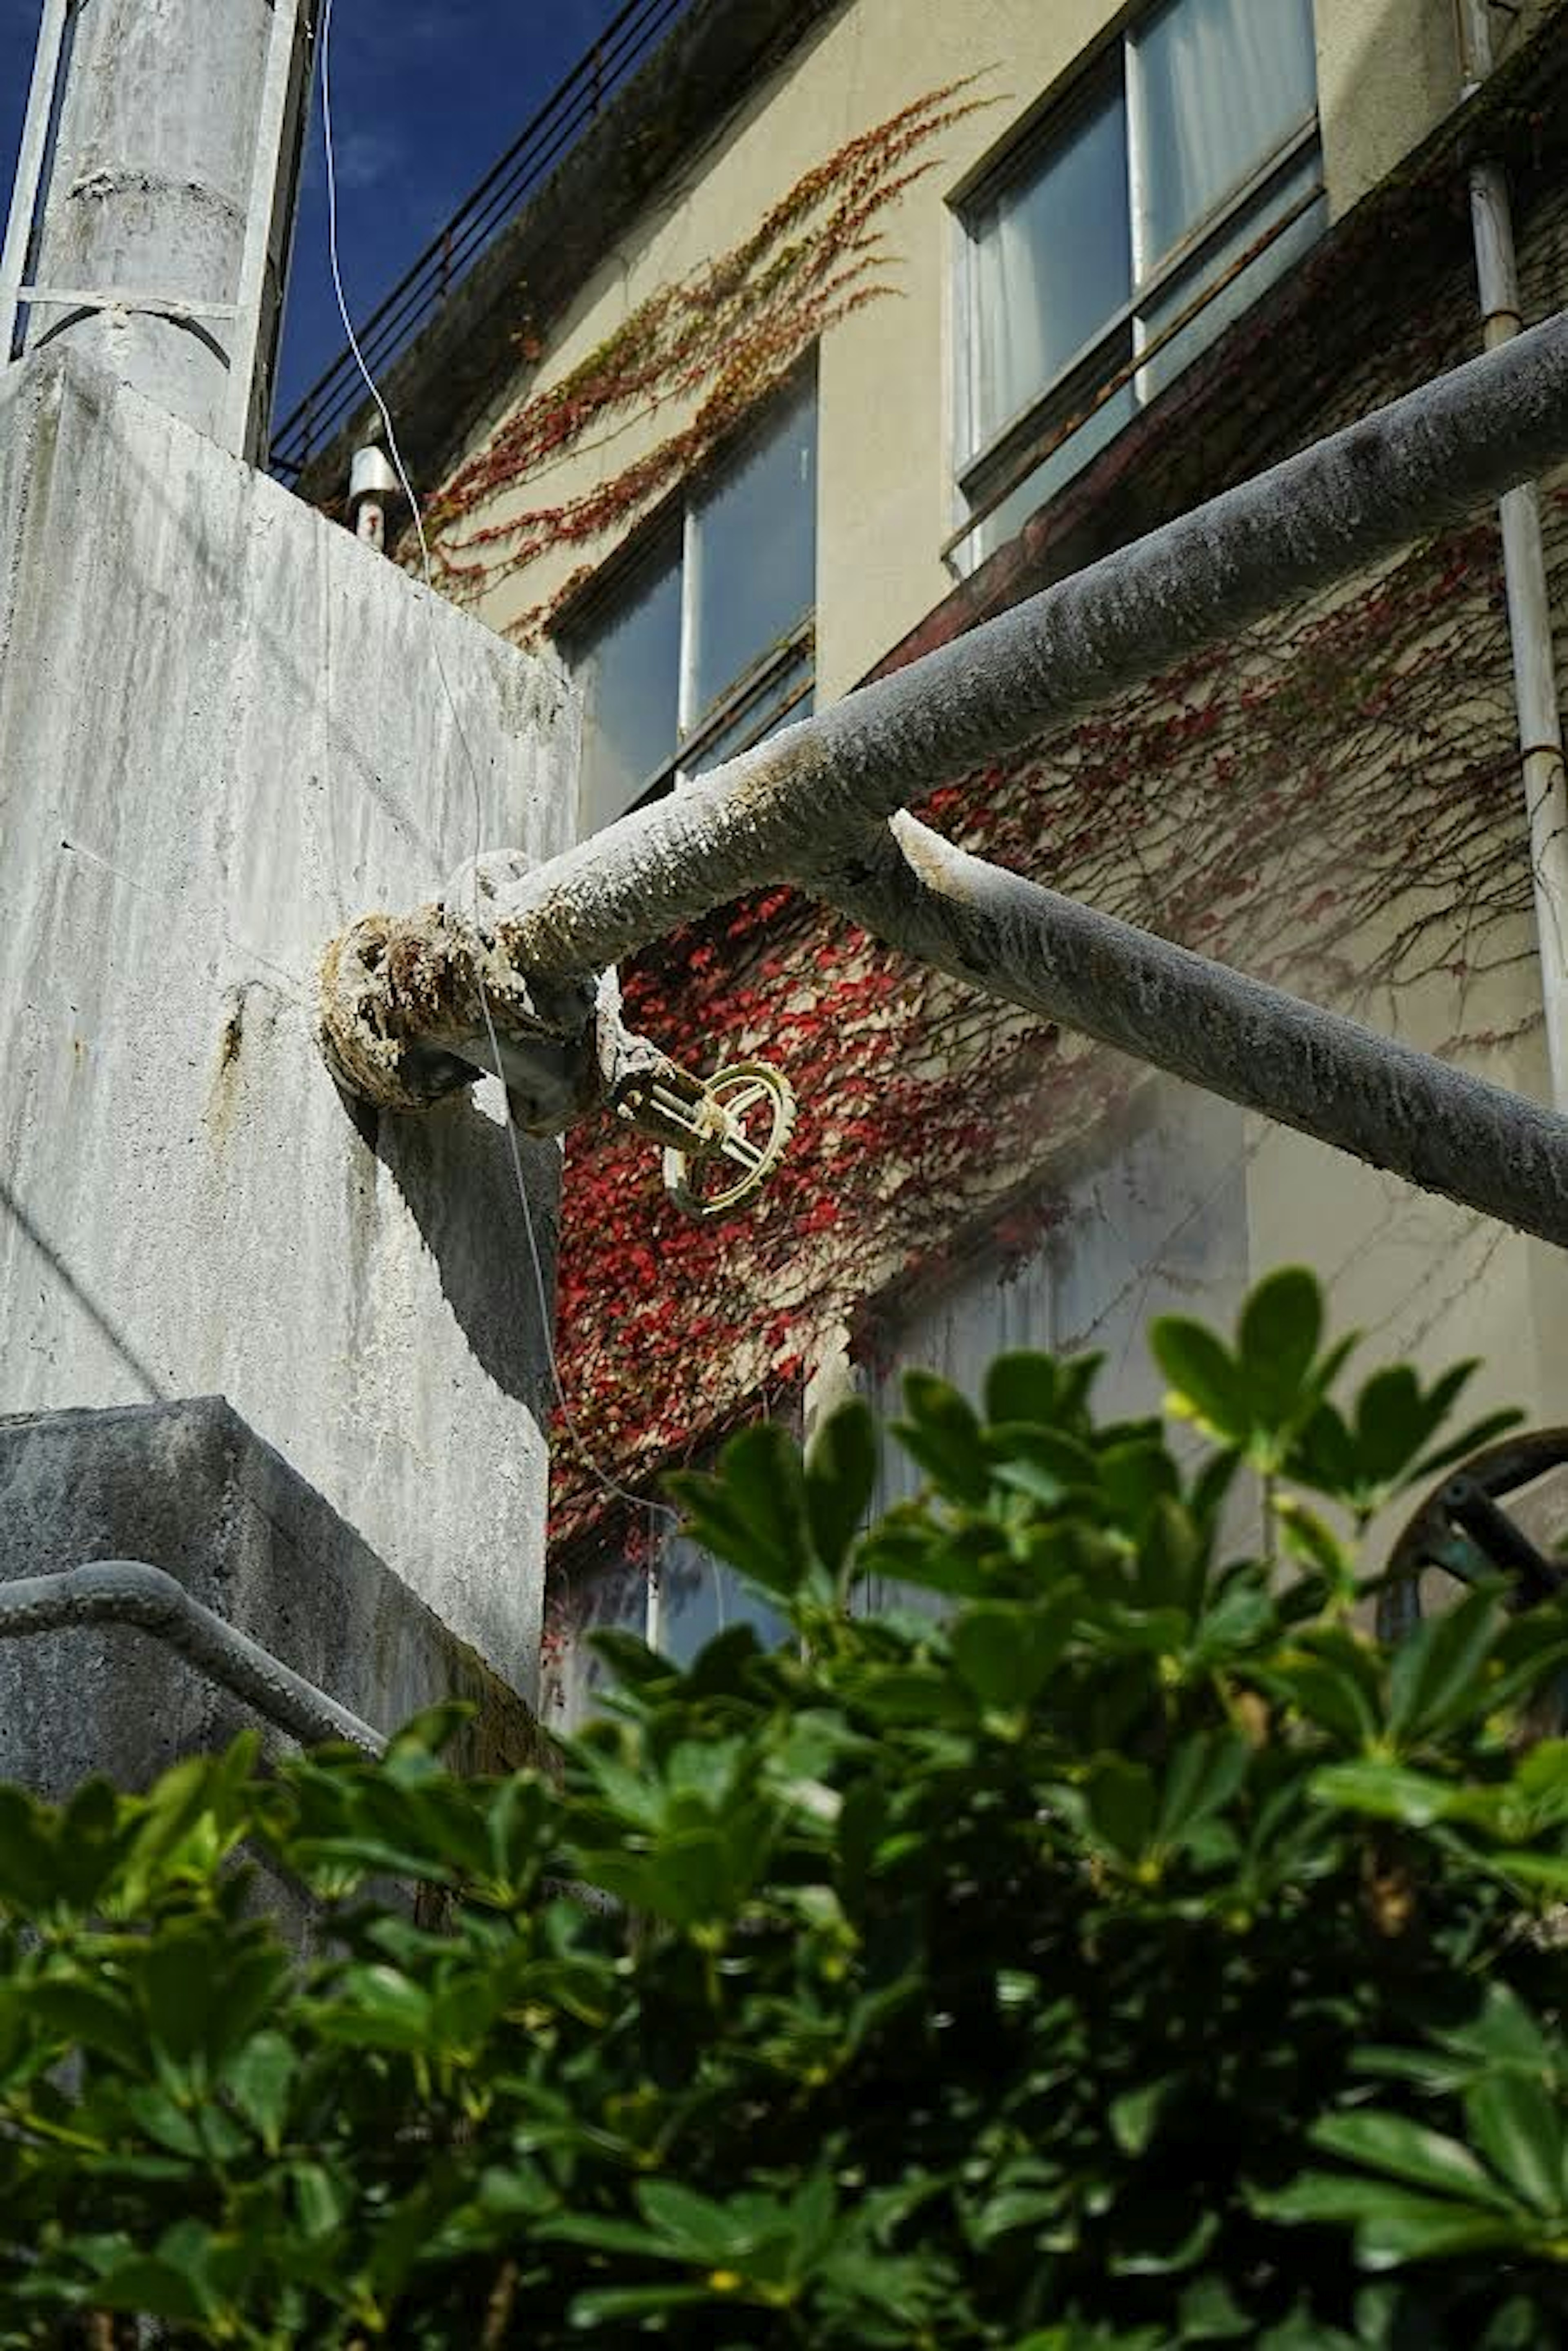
(752,1108)
(1462,1530)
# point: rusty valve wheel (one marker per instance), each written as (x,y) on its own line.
(750,1109)
(1462,1529)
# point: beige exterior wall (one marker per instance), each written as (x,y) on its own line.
(1388,72)
(886,503)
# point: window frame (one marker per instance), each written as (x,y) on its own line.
(986,474)
(697,730)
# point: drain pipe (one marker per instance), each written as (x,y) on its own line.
(1524,581)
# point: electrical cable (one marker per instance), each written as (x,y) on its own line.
(606,1483)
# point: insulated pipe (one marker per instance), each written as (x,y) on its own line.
(791,810)
(1525,587)
(1318,1072)
(154,199)
(130,1592)
(806,807)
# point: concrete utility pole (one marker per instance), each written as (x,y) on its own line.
(402,1008)
(154,199)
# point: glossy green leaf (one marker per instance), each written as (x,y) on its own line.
(1517,2123)
(1024,1386)
(1438,1670)
(1392,2225)
(1276,1341)
(376,2007)
(1395,2144)
(942,1432)
(840,1477)
(754,1512)
(1387,1791)
(1206,1382)
(1007,1653)
(260,2078)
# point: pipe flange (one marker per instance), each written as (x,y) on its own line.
(368,1047)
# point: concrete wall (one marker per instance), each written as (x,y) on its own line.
(885,498)
(188,1488)
(223,734)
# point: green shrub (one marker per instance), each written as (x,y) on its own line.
(1135,1955)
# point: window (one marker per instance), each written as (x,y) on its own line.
(705,643)
(1099,260)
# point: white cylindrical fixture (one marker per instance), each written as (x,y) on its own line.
(374,483)
(154,203)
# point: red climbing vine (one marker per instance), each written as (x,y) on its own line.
(1380,847)
(707,349)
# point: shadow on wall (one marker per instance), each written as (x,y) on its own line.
(454,1171)
(109,1330)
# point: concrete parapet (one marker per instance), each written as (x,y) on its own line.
(190,1489)
(222,733)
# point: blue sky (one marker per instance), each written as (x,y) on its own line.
(426,94)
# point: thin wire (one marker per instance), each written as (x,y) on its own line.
(600,1476)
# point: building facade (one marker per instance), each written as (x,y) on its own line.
(907,315)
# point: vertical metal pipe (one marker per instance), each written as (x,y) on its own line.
(160,219)
(1524,578)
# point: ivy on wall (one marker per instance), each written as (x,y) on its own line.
(706,349)
(1317,804)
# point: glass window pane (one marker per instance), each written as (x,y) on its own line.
(788,696)
(753,551)
(1052,263)
(1050,475)
(1221,83)
(572,1675)
(1245,288)
(629,666)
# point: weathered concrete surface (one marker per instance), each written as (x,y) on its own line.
(222,733)
(188,1488)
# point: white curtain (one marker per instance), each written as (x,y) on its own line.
(1220,83)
